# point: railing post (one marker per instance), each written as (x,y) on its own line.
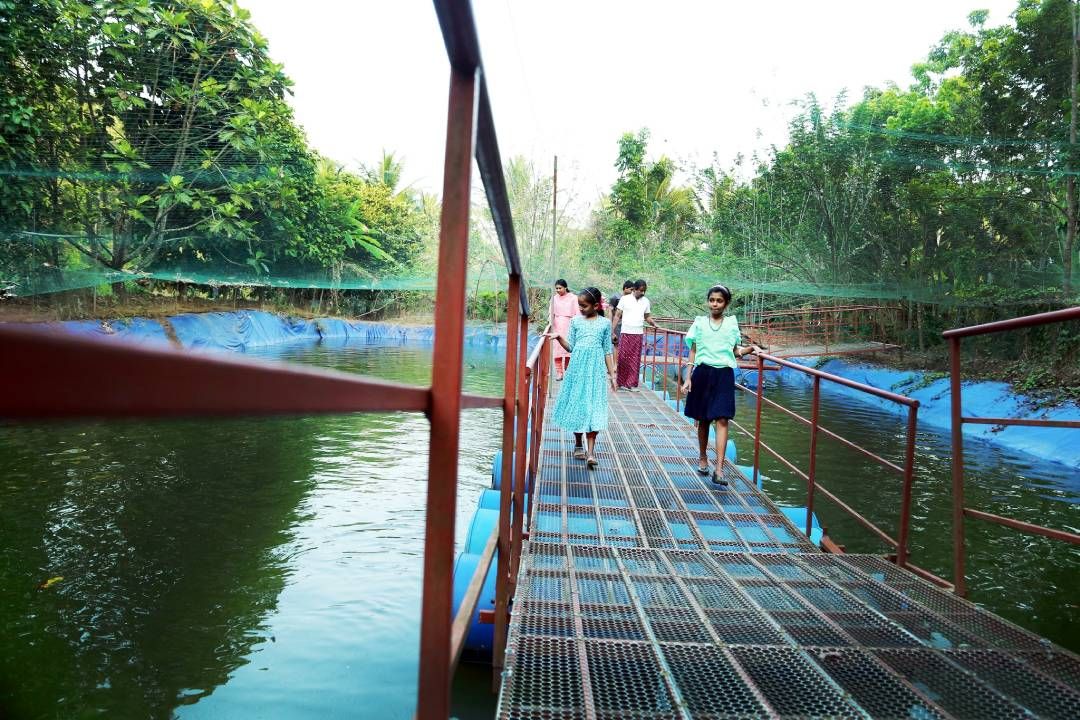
(959,549)
(667,342)
(905,500)
(502,581)
(524,402)
(757,417)
(810,482)
(433,692)
(678,381)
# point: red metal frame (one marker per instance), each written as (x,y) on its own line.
(114,379)
(960,511)
(816,327)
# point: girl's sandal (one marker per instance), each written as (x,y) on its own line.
(579,452)
(718,479)
(591,463)
(703,468)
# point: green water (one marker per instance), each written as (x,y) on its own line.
(223,569)
(272,568)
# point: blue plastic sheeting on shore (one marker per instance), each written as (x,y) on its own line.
(136,330)
(243,330)
(979,399)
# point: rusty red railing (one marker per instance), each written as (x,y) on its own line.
(899,544)
(46,375)
(824,328)
(960,510)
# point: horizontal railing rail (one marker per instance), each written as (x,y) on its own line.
(960,509)
(900,543)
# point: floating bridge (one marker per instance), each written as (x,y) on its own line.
(646,591)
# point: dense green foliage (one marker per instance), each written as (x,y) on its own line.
(954,189)
(139,135)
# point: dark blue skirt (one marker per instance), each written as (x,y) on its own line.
(712,394)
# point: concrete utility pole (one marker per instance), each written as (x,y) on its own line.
(554,213)
(1071,205)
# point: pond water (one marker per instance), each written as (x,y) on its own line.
(271,568)
(263,568)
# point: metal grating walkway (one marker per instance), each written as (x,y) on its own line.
(648,592)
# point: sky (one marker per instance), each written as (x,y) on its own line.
(569,77)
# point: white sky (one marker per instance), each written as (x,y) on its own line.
(568,77)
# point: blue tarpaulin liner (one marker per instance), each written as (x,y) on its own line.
(244,330)
(978,399)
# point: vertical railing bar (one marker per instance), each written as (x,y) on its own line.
(502,582)
(956,410)
(905,501)
(757,418)
(815,413)
(433,691)
(524,401)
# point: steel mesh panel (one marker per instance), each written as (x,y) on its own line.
(790,684)
(617,523)
(607,622)
(831,567)
(954,690)
(737,566)
(666,498)
(931,630)
(625,677)
(594,559)
(689,564)
(1029,689)
(783,567)
(876,690)
(710,684)
(544,585)
(611,496)
(770,596)
(579,494)
(657,592)
(996,632)
(542,675)
(653,523)
(576,472)
(642,562)
(546,556)
(744,627)
(602,589)
(643,498)
(806,628)
(677,625)
(547,625)
(698,500)
(1063,667)
(716,594)
(870,630)
(823,597)
(634,477)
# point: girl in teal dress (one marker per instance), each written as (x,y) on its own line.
(582,405)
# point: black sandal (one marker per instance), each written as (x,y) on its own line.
(703,468)
(591,463)
(718,479)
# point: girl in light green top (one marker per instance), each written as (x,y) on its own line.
(714,343)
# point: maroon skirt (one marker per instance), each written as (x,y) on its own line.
(629,360)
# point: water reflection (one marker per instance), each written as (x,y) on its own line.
(228,568)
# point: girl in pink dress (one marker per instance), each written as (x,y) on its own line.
(564,306)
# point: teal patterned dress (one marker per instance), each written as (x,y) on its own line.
(582,405)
